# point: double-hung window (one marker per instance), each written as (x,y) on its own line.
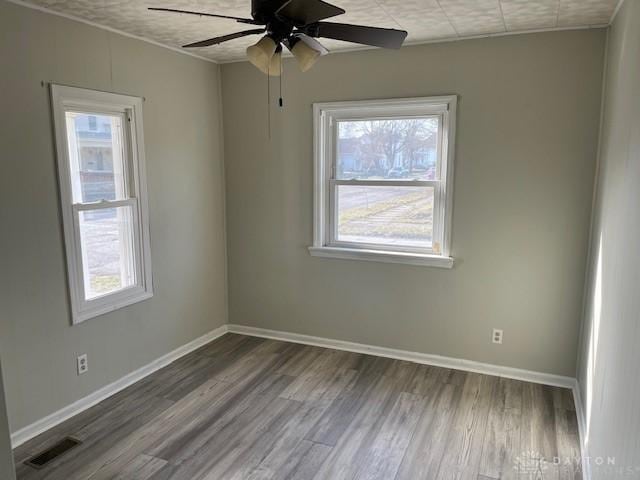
(383,180)
(100,152)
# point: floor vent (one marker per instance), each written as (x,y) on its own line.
(63,446)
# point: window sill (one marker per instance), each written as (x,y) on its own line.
(116,304)
(382,256)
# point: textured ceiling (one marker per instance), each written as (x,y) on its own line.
(425,20)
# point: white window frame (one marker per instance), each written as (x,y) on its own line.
(63,100)
(325,121)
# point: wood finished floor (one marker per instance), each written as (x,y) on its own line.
(248,408)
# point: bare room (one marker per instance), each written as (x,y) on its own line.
(319,240)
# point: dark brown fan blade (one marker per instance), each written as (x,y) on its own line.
(376,37)
(304,12)
(224,38)
(237,19)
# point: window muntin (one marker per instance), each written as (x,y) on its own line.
(383,175)
(103,197)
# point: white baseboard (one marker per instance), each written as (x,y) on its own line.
(24,434)
(50,421)
(424,358)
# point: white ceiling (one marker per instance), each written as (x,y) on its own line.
(425,20)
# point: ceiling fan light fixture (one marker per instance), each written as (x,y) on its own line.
(262,53)
(304,54)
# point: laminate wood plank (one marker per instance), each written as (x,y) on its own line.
(563,398)
(244,408)
(538,439)
(346,406)
(141,468)
(538,426)
(346,458)
(226,344)
(298,426)
(305,461)
(312,383)
(427,446)
(568,441)
(260,382)
(454,377)
(301,361)
(84,460)
(215,449)
(390,445)
(197,410)
(187,379)
(83,419)
(425,381)
(463,451)
(220,420)
(184,414)
(191,454)
(502,438)
(231,363)
(248,450)
(402,372)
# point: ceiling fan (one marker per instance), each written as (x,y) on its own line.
(296,24)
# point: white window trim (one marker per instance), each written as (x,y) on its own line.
(324,116)
(63,99)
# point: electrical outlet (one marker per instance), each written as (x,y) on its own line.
(497,336)
(83,366)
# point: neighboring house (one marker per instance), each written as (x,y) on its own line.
(96,157)
(349,154)
(355,160)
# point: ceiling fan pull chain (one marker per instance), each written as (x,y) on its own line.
(281,75)
(268,104)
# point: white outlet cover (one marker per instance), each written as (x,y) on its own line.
(82,363)
(497,336)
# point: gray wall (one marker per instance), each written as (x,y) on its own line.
(526,149)
(610,357)
(7,471)
(186,197)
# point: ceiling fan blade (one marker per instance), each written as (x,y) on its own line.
(312,42)
(237,19)
(376,37)
(304,12)
(224,38)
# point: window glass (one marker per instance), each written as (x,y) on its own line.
(395,216)
(107,250)
(96,157)
(394,149)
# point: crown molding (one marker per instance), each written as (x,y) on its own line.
(444,40)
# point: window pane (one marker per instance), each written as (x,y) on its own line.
(388,149)
(107,250)
(96,157)
(398,216)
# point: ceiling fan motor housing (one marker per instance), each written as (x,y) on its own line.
(265,11)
